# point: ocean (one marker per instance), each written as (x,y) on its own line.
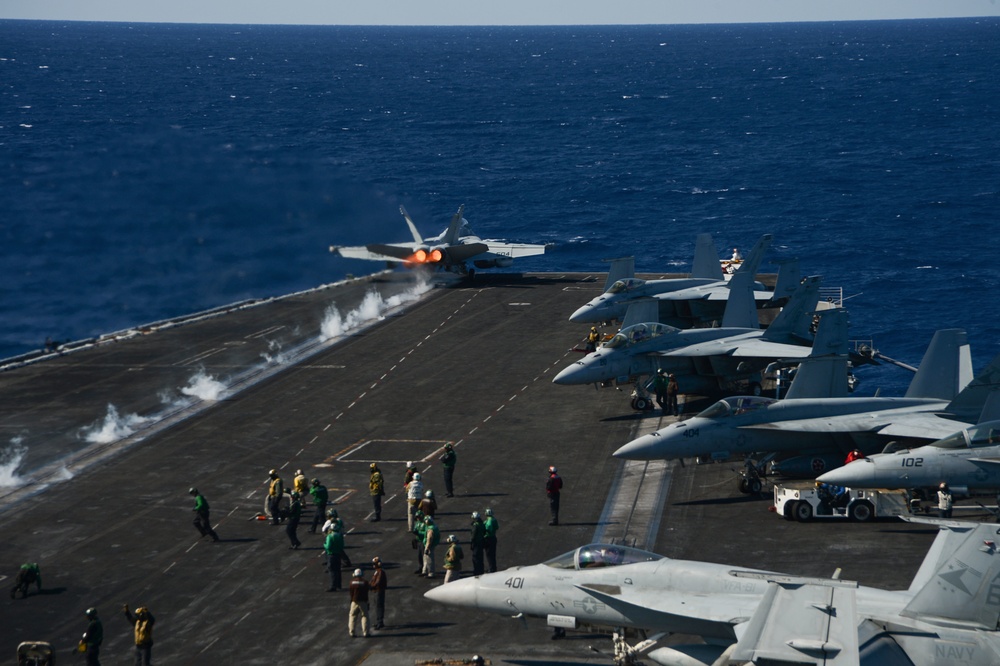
(150,171)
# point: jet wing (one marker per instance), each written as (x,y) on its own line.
(513,250)
(741,348)
(703,615)
(461,253)
(374,252)
(812,622)
(922,426)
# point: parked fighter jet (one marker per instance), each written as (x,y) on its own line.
(706,359)
(967,460)
(950,610)
(686,302)
(815,434)
(453,250)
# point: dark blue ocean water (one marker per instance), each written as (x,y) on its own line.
(148,171)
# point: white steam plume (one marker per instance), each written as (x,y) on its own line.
(113,427)
(10,459)
(204,387)
(371,308)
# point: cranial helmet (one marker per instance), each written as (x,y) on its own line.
(331,513)
(298,472)
(91,612)
(192,491)
(428,520)
(429,494)
(452,538)
(373,466)
(489,512)
(315,482)
(416,477)
(376,560)
(273,472)
(357,573)
(410,465)
(475,515)
(552,469)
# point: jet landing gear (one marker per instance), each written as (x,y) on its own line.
(641,400)
(750,479)
(630,655)
(701,653)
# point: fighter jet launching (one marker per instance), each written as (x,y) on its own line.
(687,302)
(457,249)
(705,360)
(814,434)
(966,460)
(949,614)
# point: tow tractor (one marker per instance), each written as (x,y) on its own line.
(805,500)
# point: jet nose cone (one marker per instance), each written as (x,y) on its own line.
(457,593)
(572,374)
(856,474)
(643,448)
(582,315)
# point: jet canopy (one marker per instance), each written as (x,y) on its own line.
(736,406)
(986,434)
(638,333)
(601,555)
(628,284)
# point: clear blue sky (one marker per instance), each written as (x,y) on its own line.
(495,12)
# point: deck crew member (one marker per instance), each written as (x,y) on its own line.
(202,521)
(142,625)
(359,604)
(376,486)
(378,584)
(448,459)
(553,486)
(274,493)
(320,497)
(490,527)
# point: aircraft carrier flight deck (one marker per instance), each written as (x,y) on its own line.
(109,519)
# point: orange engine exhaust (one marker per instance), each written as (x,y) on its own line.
(422,256)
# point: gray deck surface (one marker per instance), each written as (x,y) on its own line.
(467,365)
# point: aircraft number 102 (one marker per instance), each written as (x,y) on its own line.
(913,462)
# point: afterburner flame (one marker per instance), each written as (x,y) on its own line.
(423,256)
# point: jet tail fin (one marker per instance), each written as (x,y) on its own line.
(706,259)
(991,410)
(741,308)
(641,311)
(756,256)
(969,403)
(824,373)
(620,269)
(946,368)
(789,277)
(455,227)
(794,320)
(413,228)
(959,581)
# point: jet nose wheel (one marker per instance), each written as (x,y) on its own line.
(641,404)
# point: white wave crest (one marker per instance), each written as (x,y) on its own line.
(113,427)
